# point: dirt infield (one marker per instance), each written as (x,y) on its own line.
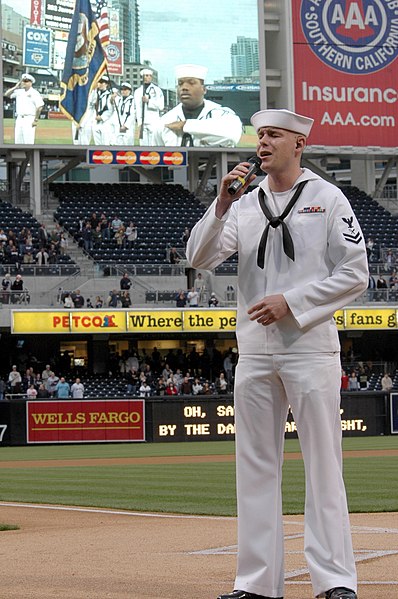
(98,554)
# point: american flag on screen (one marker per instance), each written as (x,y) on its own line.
(103,22)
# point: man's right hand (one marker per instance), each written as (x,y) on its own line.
(225,199)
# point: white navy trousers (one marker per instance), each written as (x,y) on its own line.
(265,386)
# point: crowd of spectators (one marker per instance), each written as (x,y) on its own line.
(40,385)
(176,373)
(23,248)
(99,228)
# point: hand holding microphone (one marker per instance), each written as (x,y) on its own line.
(240,182)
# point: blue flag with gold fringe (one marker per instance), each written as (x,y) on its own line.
(85,62)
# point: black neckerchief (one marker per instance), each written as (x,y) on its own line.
(275,221)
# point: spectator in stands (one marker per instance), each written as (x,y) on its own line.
(68,301)
(87,236)
(181,300)
(171,389)
(15,380)
(196,121)
(363,379)
(78,299)
(221,384)
(6,288)
(207,390)
(131,234)
(160,388)
(344,380)
(125,299)
(132,381)
(88,303)
(213,301)
(386,382)
(96,236)
(120,236)
(197,387)
(116,224)
(17,289)
(173,256)
(145,389)
(99,302)
(200,286)
(11,254)
(46,373)
(2,388)
(43,236)
(28,106)
(28,256)
(193,298)
(186,235)
(381,286)
(186,386)
(51,383)
(113,299)
(369,248)
(77,389)
(42,392)
(27,380)
(62,388)
(353,384)
(42,257)
(31,392)
(105,227)
(167,372)
(149,103)
(125,282)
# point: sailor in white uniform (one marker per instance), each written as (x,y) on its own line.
(28,106)
(124,116)
(103,127)
(196,121)
(149,102)
(301,257)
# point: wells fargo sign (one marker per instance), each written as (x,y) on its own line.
(79,421)
(199,320)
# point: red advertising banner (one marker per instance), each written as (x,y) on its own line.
(345,70)
(114,54)
(35,12)
(85,421)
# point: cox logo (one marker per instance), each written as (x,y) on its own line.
(39,36)
(352,36)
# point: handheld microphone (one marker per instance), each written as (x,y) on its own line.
(241,181)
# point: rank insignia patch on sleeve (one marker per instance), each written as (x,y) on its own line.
(350,233)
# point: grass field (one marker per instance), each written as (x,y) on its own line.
(191,488)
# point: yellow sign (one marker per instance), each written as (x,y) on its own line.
(155,321)
(198,320)
(98,322)
(40,322)
(209,320)
(339,319)
(375,318)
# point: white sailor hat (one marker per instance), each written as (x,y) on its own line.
(146,72)
(283,119)
(28,77)
(191,70)
(103,78)
(125,84)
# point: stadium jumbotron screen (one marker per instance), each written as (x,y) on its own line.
(130,73)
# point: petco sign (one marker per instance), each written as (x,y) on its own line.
(344,54)
(37,47)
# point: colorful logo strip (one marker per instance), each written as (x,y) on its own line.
(137,158)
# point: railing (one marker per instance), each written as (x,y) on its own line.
(33,270)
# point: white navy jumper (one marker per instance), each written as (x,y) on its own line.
(294,361)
